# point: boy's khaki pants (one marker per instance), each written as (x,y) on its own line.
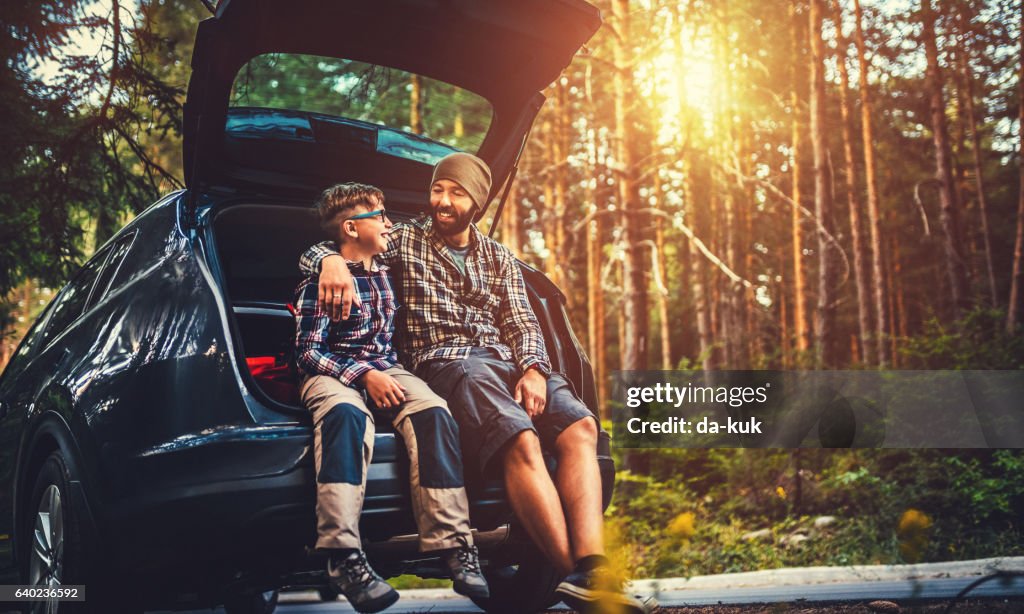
(343,435)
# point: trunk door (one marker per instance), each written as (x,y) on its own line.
(502,51)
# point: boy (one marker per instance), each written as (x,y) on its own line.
(341,360)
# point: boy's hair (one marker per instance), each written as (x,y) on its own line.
(339,202)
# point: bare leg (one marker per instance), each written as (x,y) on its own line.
(535,500)
(578,480)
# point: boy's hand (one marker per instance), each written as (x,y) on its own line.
(532,392)
(383,389)
(337,289)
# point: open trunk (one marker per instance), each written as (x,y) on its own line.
(257,249)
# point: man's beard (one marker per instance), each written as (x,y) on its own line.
(456,225)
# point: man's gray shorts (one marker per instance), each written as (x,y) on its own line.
(479,390)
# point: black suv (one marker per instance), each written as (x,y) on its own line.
(150,431)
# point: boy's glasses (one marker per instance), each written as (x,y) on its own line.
(369,214)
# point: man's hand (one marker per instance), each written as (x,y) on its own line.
(337,289)
(383,389)
(532,392)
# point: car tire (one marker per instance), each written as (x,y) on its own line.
(328,593)
(53,552)
(252,603)
(523,588)
(52,514)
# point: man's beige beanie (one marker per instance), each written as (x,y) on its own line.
(468,171)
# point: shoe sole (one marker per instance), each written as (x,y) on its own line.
(481,593)
(597,602)
(380,603)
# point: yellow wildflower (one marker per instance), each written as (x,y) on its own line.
(912,531)
(682,526)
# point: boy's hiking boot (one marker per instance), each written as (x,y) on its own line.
(354,578)
(467,577)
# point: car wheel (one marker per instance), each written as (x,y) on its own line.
(53,554)
(254,603)
(518,589)
(328,593)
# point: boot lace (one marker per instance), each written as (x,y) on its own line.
(468,557)
(358,569)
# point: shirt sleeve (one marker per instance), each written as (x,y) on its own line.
(309,261)
(517,322)
(312,350)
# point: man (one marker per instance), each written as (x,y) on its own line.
(474,338)
(342,360)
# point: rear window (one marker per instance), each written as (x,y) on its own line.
(425,119)
(72,299)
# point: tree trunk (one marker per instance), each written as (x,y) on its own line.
(510,222)
(949,215)
(415,105)
(979,174)
(661,279)
(620,312)
(824,321)
(860,265)
(559,161)
(1015,307)
(874,218)
(634,308)
(698,287)
(549,216)
(895,299)
(593,295)
(787,355)
(899,327)
(599,317)
(799,285)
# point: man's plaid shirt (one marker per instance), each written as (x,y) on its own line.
(446,313)
(349,348)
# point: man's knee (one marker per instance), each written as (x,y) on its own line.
(581,434)
(342,433)
(524,450)
(437,447)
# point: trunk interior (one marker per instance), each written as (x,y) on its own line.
(257,248)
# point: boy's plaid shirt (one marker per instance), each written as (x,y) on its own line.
(347,349)
(446,313)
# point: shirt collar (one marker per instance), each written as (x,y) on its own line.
(376,266)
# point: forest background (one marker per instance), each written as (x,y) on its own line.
(713,184)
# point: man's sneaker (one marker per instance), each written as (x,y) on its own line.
(364,589)
(599,591)
(467,577)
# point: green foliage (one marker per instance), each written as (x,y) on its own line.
(407,581)
(366,92)
(976,341)
(699,511)
(81,143)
